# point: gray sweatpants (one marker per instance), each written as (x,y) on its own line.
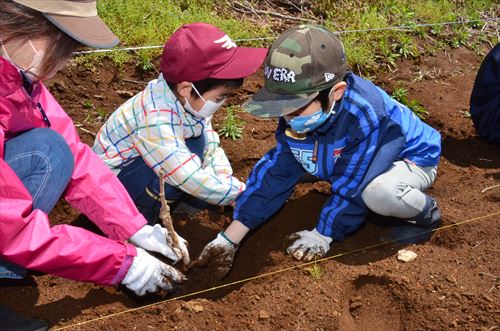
(399,191)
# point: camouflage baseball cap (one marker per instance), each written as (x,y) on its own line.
(300,63)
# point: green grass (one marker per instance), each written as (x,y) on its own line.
(147,22)
(369,51)
(401,95)
(232,127)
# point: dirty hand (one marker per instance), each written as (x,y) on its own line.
(308,245)
(220,252)
(148,274)
(157,239)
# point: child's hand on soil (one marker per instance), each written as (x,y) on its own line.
(308,245)
(157,239)
(220,253)
(148,274)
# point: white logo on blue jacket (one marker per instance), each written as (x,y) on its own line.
(305,158)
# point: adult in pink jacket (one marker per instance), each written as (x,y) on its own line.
(42,159)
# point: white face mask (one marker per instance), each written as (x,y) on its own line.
(26,55)
(208,109)
(333,105)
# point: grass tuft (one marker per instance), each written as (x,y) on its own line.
(401,95)
(315,271)
(141,23)
(232,127)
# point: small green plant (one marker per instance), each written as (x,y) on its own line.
(460,38)
(232,126)
(417,108)
(315,271)
(101,112)
(87,104)
(386,56)
(477,22)
(119,58)
(146,65)
(88,62)
(401,95)
(145,59)
(405,47)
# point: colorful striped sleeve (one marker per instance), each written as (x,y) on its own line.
(214,156)
(161,144)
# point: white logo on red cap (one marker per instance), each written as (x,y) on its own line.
(329,76)
(226,41)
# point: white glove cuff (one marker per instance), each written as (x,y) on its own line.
(320,237)
(140,271)
(142,235)
(223,239)
(154,238)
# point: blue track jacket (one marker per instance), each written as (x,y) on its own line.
(367,132)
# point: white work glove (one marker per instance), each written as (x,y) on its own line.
(220,253)
(308,245)
(148,274)
(157,239)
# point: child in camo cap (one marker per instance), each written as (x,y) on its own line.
(337,127)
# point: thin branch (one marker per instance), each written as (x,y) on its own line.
(133,81)
(80,126)
(302,10)
(489,188)
(167,219)
(253,10)
(270,13)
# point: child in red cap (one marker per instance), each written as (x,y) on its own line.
(168,125)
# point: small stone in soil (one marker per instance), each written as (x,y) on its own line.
(406,255)
(125,94)
(264,315)
(192,306)
(451,279)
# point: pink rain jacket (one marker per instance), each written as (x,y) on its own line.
(26,238)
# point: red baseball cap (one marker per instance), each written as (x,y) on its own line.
(199,51)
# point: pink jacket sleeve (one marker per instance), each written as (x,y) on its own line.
(27,239)
(94,189)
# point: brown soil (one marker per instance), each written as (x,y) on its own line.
(453,283)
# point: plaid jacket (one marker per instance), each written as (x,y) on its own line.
(154,125)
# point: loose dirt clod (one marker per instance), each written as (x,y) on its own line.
(451,279)
(192,307)
(406,255)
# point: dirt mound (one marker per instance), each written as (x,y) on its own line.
(374,303)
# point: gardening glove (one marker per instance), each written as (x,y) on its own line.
(157,239)
(308,245)
(148,274)
(220,252)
